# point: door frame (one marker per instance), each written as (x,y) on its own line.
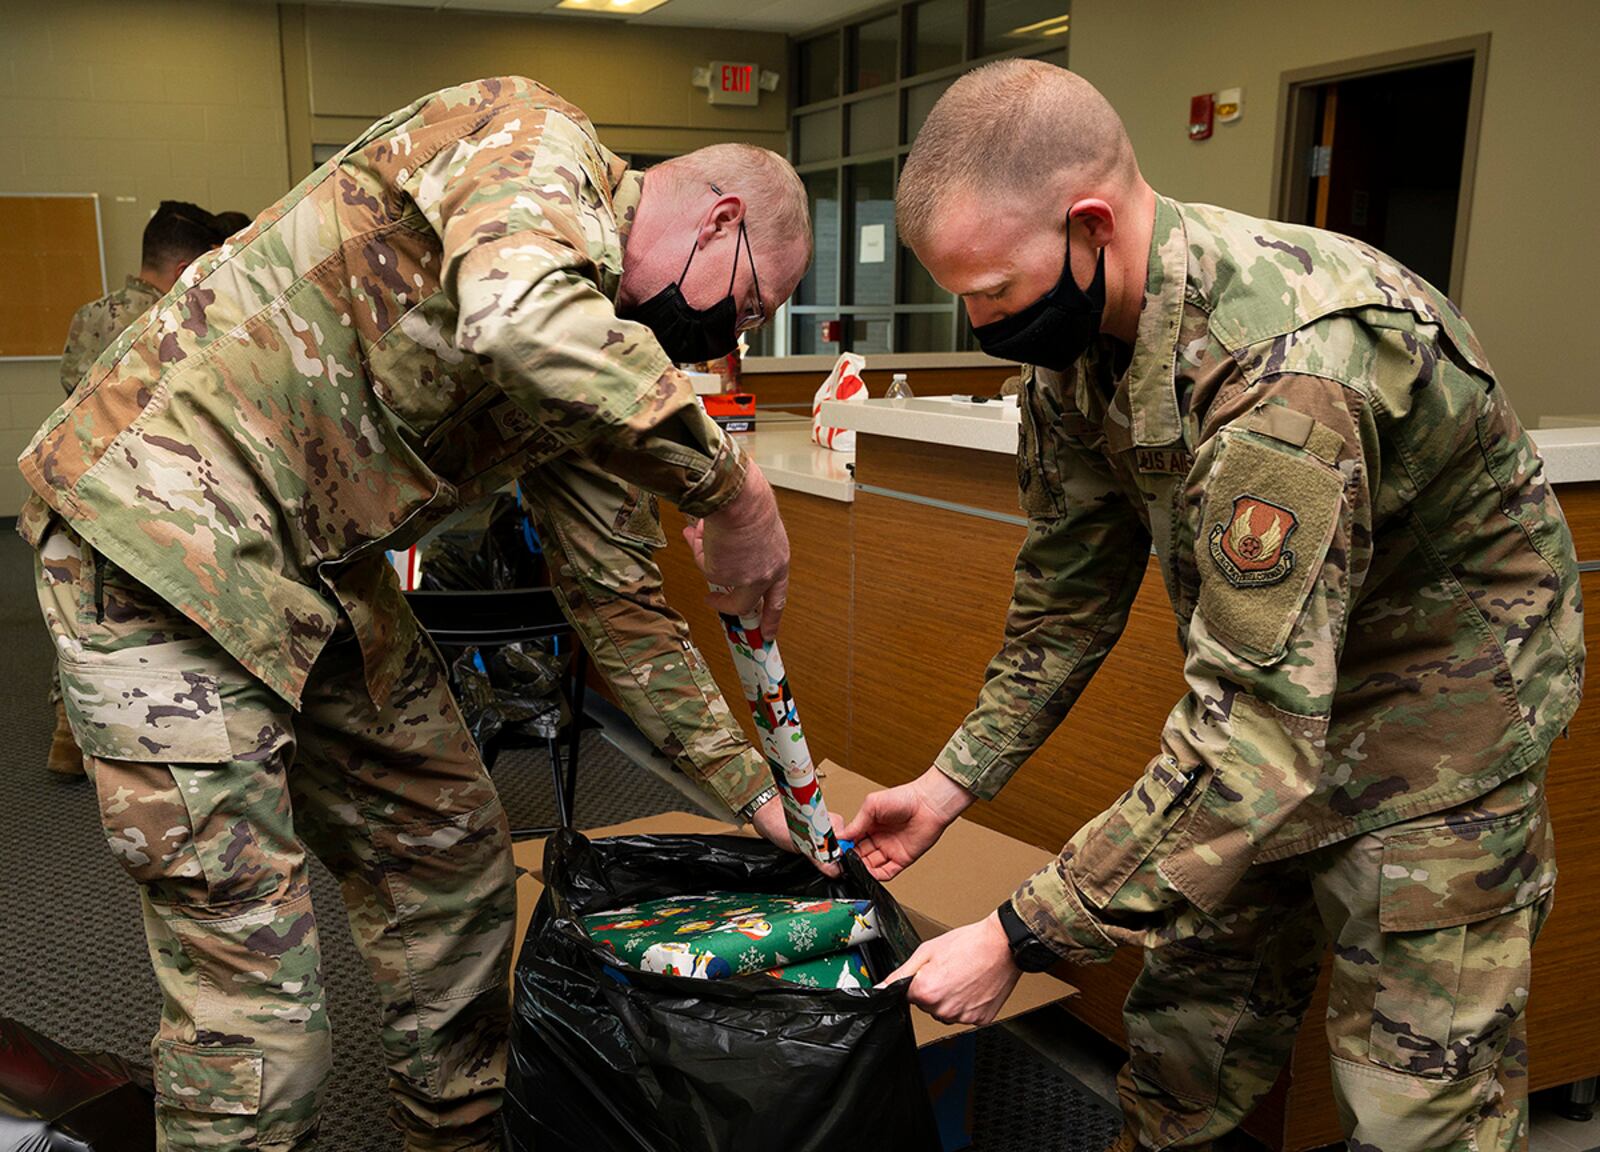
(1297,112)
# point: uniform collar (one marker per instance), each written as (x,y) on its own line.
(625,195)
(143,285)
(1150,381)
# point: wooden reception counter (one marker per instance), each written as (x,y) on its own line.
(901,580)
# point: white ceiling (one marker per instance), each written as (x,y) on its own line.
(752,15)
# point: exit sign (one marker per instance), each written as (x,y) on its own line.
(733,83)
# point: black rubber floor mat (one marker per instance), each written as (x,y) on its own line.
(1026,1104)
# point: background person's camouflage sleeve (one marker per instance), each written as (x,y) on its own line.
(98,323)
(600,539)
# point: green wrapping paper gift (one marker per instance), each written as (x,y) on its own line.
(734,934)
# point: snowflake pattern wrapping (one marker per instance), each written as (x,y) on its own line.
(736,934)
(846,969)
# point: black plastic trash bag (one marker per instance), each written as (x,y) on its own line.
(53,1099)
(613,1059)
(515,686)
(504,553)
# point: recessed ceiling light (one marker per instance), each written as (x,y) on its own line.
(610,7)
(1051,27)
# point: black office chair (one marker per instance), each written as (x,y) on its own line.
(494,619)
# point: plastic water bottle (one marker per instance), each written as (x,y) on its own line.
(898,388)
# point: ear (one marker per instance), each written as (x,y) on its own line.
(724,218)
(1097,219)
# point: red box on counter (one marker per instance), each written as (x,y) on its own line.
(734,411)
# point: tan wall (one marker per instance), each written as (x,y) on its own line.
(140,101)
(632,81)
(1533,244)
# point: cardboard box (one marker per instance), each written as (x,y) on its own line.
(961,879)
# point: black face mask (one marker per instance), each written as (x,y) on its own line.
(1055,329)
(690,335)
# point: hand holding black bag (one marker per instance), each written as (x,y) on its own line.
(607,1058)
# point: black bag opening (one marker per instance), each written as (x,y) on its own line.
(607,1058)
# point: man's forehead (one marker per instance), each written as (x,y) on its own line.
(973,246)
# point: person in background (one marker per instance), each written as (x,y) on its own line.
(1363,554)
(230,222)
(476,291)
(177,234)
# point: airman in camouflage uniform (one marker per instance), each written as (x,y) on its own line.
(98,323)
(176,234)
(426,318)
(1378,606)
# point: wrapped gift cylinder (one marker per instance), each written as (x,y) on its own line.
(766,690)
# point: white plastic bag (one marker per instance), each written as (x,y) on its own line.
(843,383)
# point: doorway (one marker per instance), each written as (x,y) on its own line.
(1383,150)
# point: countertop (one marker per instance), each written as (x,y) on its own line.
(987,427)
(1571,455)
(781,445)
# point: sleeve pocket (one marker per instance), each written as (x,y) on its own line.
(1122,838)
(1270,515)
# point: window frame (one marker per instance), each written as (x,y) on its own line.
(844,164)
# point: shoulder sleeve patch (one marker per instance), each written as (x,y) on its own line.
(1267,521)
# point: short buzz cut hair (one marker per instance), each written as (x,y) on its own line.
(179,232)
(1007,127)
(775,197)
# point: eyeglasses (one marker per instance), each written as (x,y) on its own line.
(747,321)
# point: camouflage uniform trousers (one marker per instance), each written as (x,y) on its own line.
(210,789)
(1430,978)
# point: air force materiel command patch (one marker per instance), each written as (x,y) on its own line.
(1251,550)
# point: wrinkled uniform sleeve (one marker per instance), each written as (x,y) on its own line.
(527,237)
(600,539)
(1244,747)
(1075,578)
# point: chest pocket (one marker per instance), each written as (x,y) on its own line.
(418,372)
(1041,486)
(1271,509)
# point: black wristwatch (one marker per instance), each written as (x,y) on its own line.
(1029,953)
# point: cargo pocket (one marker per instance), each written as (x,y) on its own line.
(1112,848)
(1458,904)
(186,813)
(122,709)
(207,1097)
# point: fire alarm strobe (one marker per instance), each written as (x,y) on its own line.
(1200,110)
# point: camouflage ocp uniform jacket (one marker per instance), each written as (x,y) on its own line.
(1376,592)
(426,317)
(97,324)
